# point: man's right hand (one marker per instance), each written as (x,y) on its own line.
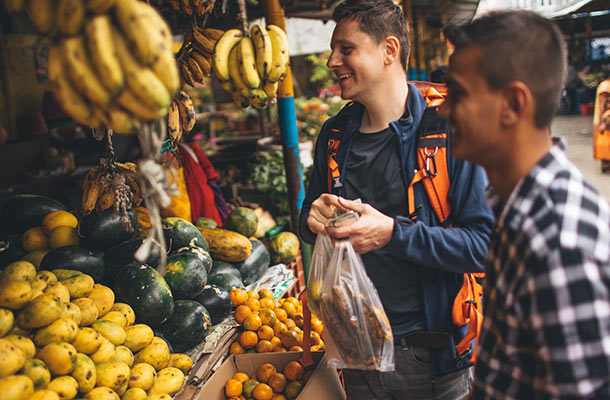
(322,209)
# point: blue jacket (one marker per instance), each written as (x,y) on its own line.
(440,254)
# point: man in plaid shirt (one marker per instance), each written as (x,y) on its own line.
(546,328)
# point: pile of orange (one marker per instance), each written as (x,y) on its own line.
(268,383)
(271,325)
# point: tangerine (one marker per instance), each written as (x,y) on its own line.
(278,396)
(293,300)
(249,386)
(236,348)
(279,349)
(267,316)
(241,312)
(281,314)
(275,341)
(252,322)
(277,382)
(248,339)
(266,302)
(290,323)
(298,320)
(262,391)
(264,346)
(294,370)
(254,304)
(279,328)
(296,348)
(315,347)
(316,325)
(265,332)
(314,338)
(264,372)
(233,388)
(266,293)
(290,308)
(289,339)
(241,376)
(238,296)
(293,389)
(253,294)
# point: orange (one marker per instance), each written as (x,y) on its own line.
(314,338)
(58,218)
(253,294)
(233,387)
(63,235)
(267,316)
(264,346)
(275,341)
(264,372)
(265,332)
(265,293)
(322,345)
(293,389)
(290,323)
(296,348)
(293,370)
(281,314)
(252,322)
(266,302)
(298,320)
(277,382)
(262,391)
(241,376)
(248,339)
(278,396)
(279,328)
(241,312)
(293,300)
(236,348)
(34,239)
(253,303)
(290,308)
(315,347)
(249,386)
(279,349)
(238,296)
(289,339)
(316,325)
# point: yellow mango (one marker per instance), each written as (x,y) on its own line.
(79,285)
(41,311)
(142,375)
(87,340)
(38,286)
(116,317)
(11,358)
(181,361)
(18,271)
(65,386)
(155,354)
(59,357)
(114,374)
(44,394)
(23,343)
(105,353)
(138,336)
(7,319)
(121,391)
(110,330)
(126,310)
(103,297)
(58,218)
(58,289)
(134,394)
(102,393)
(15,294)
(169,380)
(62,330)
(16,387)
(37,371)
(85,373)
(125,355)
(46,277)
(34,239)
(88,309)
(35,257)
(73,312)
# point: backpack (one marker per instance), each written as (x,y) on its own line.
(434,175)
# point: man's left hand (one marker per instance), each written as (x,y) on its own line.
(372,231)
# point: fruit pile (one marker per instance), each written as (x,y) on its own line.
(268,383)
(58,229)
(62,334)
(271,326)
(249,66)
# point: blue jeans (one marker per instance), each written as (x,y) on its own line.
(411,379)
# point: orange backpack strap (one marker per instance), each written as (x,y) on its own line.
(332,147)
(467,309)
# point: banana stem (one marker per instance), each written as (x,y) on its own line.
(243,17)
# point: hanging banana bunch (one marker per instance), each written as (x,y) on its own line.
(250,66)
(105,183)
(195,57)
(181,116)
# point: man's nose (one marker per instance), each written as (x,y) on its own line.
(333,60)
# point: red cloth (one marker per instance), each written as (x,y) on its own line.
(197,172)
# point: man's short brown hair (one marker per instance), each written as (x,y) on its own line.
(379,19)
(518,45)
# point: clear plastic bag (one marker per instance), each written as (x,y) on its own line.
(357,331)
(320,258)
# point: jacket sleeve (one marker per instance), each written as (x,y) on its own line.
(462,247)
(318,183)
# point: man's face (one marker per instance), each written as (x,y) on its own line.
(356,60)
(473,110)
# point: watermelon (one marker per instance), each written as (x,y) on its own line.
(25,211)
(223,267)
(242,220)
(186,275)
(11,249)
(123,253)
(226,281)
(198,252)
(217,301)
(180,233)
(76,258)
(256,264)
(102,230)
(188,325)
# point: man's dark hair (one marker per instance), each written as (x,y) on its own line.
(380,19)
(518,45)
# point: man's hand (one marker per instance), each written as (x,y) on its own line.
(372,231)
(322,209)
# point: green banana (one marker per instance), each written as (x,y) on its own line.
(264,51)
(70,16)
(223,47)
(247,63)
(42,14)
(101,48)
(281,56)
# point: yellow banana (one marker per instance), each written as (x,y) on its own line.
(239,99)
(206,44)
(270,88)
(258,98)
(166,70)
(186,73)
(188,117)
(195,69)
(213,34)
(281,56)
(120,121)
(81,71)
(264,51)
(236,78)
(142,81)
(42,14)
(137,109)
(128,167)
(69,98)
(99,6)
(223,47)
(174,129)
(70,16)
(14,5)
(106,199)
(91,189)
(98,32)
(228,86)
(160,24)
(202,61)
(247,63)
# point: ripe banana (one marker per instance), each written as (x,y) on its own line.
(142,81)
(91,189)
(69,98)
(235,75)
(239,99)
(281,56)
(119,121)
(81,71)
(223,47)
(99,6)
(186,73)
(138,109)
(213,34)
(264,52)
(101,48)
(195,69)
(247,63)
(42,14)
(166,70)
(206,44)
(188,117)
(106,199)
(14,5)
(228,86)
(258,98)
(270,88)
(70,16)
(202,61)
(174,129)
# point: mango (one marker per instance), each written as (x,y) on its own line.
(11,358)
(155,354)
(114,374)
(142,376)
(62,330)
(18,271)
(7,319)
(138,336)
(59,357)
(58,289)
(23,343)
(65,386)
(79,285)
(37,371)
(87,340)
(41,311)
(110,331)
(88,309)
(102,393)
(103,297)
(181,361)
(16,387)
(126,310)
(15,294)
(85,373)
(169,380)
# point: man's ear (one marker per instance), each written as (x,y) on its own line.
(518,103)
(392,49)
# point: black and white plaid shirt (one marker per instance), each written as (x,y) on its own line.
(546,305)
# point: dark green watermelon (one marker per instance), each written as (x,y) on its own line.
(223,267)
(186,275)
(253,267)
(10,249)
(105,230)
(122,254)
(24,211)
(145,290)
(188,326)
(76,258)
(217,301)
(180,233)
(200,253)
(226,281)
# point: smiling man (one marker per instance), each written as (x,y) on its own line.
(368,151)
(546,326)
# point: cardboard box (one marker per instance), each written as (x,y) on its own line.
(323,384)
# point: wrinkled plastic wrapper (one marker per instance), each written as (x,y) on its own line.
(357,331)
(278,278)
(320,259)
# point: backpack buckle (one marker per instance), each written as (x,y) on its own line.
(430,155)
